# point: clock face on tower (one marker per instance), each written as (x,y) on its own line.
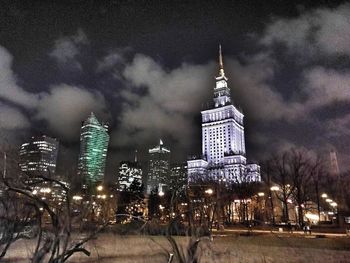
(220,84)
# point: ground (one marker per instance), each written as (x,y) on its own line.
(226,248)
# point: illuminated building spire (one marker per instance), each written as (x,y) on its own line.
(221,63)
(221,91)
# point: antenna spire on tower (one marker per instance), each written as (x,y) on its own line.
(221,63)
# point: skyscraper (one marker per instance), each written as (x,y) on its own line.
(178,176)
(39,156)
(334,167)
(94,140)
(223,145)
(159,168)
(129,172)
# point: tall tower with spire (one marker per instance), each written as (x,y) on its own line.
(221,91)
(223,144)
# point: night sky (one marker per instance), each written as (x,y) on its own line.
(148,67)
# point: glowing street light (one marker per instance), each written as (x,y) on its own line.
(99,188)
(77,197)
(275,188)
(334,204)
(45,190)
(209,191)
(261,194)
(328,200)
(161,193)
(324,195)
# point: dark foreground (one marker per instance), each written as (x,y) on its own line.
(231,248)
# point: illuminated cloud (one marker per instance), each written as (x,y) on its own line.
(12,118)
(9,89)
(67,48)
(65,106)
(320,30)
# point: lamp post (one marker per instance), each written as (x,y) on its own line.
(273,189)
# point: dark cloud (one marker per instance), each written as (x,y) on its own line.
(67,48)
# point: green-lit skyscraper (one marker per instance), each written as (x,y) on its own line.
(94,140)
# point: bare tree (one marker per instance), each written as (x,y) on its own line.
(282,178)
(302,168)
(267,173)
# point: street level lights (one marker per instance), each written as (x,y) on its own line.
(209,191)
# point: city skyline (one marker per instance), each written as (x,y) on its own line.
(114,60)
(174,131)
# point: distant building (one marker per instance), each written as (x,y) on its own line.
(129,172)
(159,168)
(94,140)
(178,176)
(223,145)
(39,156)
(334,167)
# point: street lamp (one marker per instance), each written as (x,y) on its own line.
(99,188)
(209,191)
(324,195)
(77,197)
(275,188)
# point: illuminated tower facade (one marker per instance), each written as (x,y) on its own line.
(129,172)
(223,144)
(39,156)
(159,168)
(94,140)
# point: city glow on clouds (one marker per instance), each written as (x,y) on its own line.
(156,100)
(62,106)
(67,49)
(320,30)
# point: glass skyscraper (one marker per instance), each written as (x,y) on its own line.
(94,140)
(39,156)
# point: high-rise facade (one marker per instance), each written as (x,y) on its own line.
(223,144)
(94,140)
(178,176)
(129,172)
(39,156)
(159,168)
